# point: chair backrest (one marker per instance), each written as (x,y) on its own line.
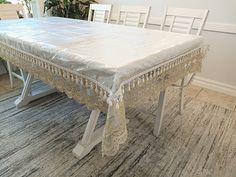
(133,15)
(100,12)
(182,20)
(37,7)
(10,11)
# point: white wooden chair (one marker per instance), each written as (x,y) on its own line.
(132,15)
(37,7)
(100,12)
(182,20)
(7,12)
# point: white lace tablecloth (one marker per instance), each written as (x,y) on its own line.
(101,65)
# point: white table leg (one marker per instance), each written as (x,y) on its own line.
(27,96)
(90,138)
(160,113)
(23,99)
(10,73)
(181,97)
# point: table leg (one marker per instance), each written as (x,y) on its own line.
(90,138)
(23,75)
(160,113)
(27,96)
(181,97)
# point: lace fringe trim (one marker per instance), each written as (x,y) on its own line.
(156,72)
(92,84)
(145,90)
(96,96)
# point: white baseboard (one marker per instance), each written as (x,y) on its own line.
(214,85)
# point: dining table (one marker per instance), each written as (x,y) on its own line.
(107,67)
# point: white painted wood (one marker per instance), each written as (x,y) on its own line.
(90,138)
(10,73)
(181,87)
(100,12)
(23,75)
(20,102)
(13,75)
(20,77)
(209,26)
(160,113)
(27,96)
(182,19)
(132,15)
(90,127)
(81,150)
(23,99)
(181,97)
(37,7)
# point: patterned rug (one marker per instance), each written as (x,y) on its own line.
(37,140)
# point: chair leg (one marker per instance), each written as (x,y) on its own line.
(23,75)
(10,74)
(181,97)
(160,113)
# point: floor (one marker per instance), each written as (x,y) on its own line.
(37,140)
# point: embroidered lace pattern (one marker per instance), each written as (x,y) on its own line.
(143,86)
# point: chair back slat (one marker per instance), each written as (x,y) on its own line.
(99,16)
(132,15)
(172,23)
(9,11)
(184,12)
(182,20)
(100,12)
(37,7)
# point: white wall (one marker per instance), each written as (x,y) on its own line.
(220,65)
(219,33)
(220,11)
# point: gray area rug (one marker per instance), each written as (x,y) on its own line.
(37,140)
